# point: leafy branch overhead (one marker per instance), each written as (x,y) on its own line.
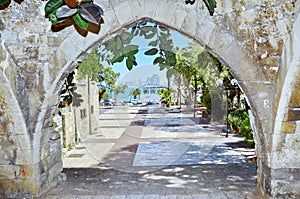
(120,48)
(210,4)
(83,13)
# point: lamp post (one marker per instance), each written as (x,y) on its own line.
(227,125)
(219,83)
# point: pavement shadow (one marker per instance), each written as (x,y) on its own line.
(170,180)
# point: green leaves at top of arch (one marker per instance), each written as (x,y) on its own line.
(161,43)
(82,12)
(211,5)
(5,3)
(119,48)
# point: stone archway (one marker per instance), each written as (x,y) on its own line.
(236,64)
(36,61)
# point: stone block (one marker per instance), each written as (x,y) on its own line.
(124,17)
(15,188)
(178,18)
(223,43)
(45,150)
(293,141)
(53,40)
(190,26)
(288,127)
(294,100)
(27,38)
(293,114)
(285,159)
(111,23)
(285,189)
(165,11)
(48,162)
(27,156)
(9,172)
(149,8)
(72,47)
(29,171)
(58,58)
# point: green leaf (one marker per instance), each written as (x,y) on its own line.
(119,44)
(126,37)
(81,23)
(53,5)
(149,36)
(211,5)
(158,60)
(65,11)
(147,28)
(3,2)
(91,12)
(129,64)
(111,45)
(153,43)
(152,51)
(117,59)
(131,58)
(53,17)
(130,49)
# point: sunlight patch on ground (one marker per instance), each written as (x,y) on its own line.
(184,153)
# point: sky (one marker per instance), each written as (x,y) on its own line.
(144,60)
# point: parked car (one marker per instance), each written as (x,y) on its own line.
(107,102)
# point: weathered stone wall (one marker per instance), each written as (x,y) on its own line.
(87,114)
(247,36)
(68,127)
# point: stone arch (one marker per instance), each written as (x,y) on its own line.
(191,20)
(197,25)
(285,140)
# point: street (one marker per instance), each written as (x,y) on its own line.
(149,151)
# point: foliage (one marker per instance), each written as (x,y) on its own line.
(5,3)
(92,68)
(68,93)
(166,97)
(119,89)
(235,118)
(136,92)
(239,122)
(246,131)
(82,13)
(161,44)
(210,4)
(120,48)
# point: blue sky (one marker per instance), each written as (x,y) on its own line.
(143,60)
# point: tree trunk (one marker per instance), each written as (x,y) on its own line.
(101,94)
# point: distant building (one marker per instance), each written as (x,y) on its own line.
(149,91)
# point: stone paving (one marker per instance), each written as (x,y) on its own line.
(148,153)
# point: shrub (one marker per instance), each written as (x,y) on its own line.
(240,123)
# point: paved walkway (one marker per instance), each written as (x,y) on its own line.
(148,153)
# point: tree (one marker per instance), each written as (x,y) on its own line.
(119,89)
(136,92)
(166,97)
(92,68)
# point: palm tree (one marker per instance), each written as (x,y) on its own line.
(136,92)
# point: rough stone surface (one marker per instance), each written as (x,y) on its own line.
(257,40)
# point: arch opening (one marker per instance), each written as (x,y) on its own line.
(216,93)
